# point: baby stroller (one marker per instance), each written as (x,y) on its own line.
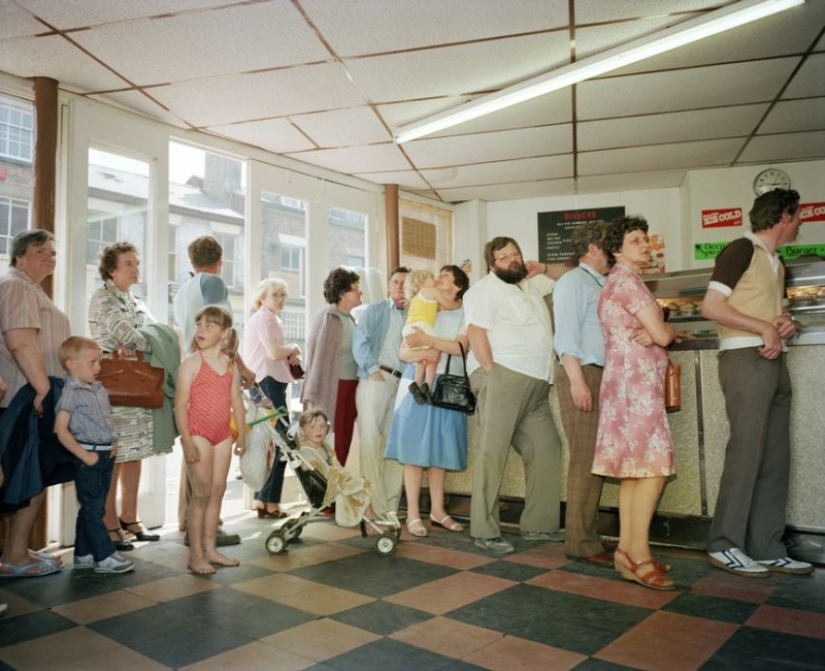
(315,487)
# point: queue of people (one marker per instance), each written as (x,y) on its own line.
(611,338)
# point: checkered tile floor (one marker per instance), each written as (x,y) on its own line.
(331,603)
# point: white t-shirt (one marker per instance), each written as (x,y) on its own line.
(517,322)
(200,290)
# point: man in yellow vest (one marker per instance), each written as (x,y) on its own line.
(746,297)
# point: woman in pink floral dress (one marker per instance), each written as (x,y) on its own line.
(634,442)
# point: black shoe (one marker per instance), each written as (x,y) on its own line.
(418,393)
(120,542)
(140,534)
(426,393)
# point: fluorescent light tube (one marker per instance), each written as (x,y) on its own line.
(692,30)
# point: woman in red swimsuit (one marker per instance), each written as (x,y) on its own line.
(208,391)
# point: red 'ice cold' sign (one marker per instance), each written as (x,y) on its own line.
(809,212)
(721,218)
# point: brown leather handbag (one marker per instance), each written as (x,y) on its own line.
(673,387)
(132,383)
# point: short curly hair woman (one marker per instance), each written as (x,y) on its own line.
(331,371)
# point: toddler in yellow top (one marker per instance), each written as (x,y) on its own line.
(423,300)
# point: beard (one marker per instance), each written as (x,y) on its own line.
(513,275)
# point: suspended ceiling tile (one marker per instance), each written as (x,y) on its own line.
(809,81)
(631,181)
(484,147)
(406,179)
(196,45)
(795,115)
(54,57)
(374,158)
(137,102)
(551,109)
(77,13)
(659,157)
(342,128)
(784,147)
(759,40)
(599,11)
(275,135)
(17,22)
(733,84)
(235,98)
(457,70)
(667,128)
(402,113)
(521,170)
(519,191)
(594,39)
(378,26)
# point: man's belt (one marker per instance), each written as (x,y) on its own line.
(95,448)
(389,370)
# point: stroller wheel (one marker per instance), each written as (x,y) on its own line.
(276,544)
(385,544)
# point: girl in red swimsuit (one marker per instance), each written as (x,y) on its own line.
(207,393)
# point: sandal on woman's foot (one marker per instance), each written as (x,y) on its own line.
(416,528)
(140,534)
(447,523)
(119,541)
(654,578)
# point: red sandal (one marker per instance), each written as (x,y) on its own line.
(630,570)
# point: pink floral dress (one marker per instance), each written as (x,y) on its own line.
(634,438)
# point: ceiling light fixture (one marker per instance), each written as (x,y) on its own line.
(692,30)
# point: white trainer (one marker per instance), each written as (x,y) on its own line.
(114,563)
(737,562)
(786,565)
(84,561)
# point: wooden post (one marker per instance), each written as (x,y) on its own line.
(393,237)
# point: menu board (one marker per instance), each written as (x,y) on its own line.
(556,229)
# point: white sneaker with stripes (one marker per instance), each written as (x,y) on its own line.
(736,561)
(786,565)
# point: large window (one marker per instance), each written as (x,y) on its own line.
(347,238)
(118,202)
(16,171)
(283,255)
(14,218)
(207,195)
(16,129)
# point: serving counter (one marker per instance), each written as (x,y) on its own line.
(700,429)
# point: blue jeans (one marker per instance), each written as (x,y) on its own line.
(271,491)
(92,485)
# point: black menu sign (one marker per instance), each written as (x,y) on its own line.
(556,229)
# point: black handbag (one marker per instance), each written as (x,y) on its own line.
(453,391)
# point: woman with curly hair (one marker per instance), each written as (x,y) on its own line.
(331,371)
(115,315)
(634,443)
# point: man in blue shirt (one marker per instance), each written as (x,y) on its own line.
(579,344)
(375,346)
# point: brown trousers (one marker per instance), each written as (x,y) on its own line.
(581,536)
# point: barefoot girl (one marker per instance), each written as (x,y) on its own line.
(208,388)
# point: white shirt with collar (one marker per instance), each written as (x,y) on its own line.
(517,322)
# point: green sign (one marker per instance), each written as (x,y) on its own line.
(708,251)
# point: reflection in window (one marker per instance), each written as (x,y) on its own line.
(102,233)
(347,237)
(17,137)
(14,219)
(16,129)
(207,196)
(117,209)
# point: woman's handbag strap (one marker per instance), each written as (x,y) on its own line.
(463,358)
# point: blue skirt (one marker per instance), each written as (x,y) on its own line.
(426,436)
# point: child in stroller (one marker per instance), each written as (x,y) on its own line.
(325,481)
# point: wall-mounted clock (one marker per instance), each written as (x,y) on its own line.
(770,179)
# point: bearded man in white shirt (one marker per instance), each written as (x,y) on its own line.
(510,366)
